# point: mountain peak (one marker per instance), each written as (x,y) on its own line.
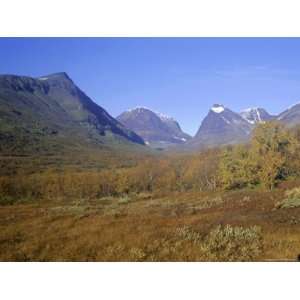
(221,126)
(138,109)
(157,129)
(59,75)
(141,109)
(217,108)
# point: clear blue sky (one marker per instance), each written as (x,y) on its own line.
(181,77)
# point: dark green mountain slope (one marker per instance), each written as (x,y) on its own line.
(50,114)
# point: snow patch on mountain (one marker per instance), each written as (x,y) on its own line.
(217,108)
(252,115)
(179,138)
(164,117)
(225,120)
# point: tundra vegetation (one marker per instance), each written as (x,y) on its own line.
(237,203)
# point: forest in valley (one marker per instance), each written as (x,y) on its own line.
(271,157)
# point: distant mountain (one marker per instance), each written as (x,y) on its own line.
(51,112)
(221,126)
(256,115)
(156,129)
(291,116)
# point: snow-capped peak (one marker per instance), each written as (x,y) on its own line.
(217,108)
(163,117)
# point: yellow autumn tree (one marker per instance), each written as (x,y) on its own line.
(271,147)
(236,168)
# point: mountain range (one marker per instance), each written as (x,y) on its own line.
(223,126)
(50,113)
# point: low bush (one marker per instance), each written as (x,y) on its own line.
(188,234)
(7,200)
(124,200)
(291,200)
(228,243)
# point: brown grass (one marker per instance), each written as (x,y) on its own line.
(182,226)
(158,209)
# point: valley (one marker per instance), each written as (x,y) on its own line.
(77,184)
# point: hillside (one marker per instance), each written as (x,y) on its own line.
(290,116)
(49,121)
(50,114)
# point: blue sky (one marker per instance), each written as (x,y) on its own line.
(180,77)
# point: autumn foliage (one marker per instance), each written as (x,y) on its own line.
(271,156)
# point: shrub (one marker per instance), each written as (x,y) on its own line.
(7,200)
(188,234)
(124,200)
(292,199)
(137,254)
(228,243)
